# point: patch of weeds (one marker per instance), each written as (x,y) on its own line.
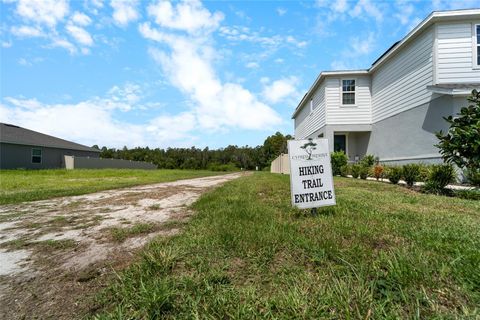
(121,234)
(16,244)
(54,245)
(105,210)
(154,207)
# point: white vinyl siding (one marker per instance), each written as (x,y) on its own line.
(307,122)
(360,113)
(456,53)
(401,82)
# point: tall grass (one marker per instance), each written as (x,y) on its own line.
(382,252)
(28,185)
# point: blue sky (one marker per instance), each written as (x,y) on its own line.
(179,74)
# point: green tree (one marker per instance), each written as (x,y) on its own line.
(461,143)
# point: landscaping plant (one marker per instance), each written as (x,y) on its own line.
(368,160)
(378,171)
(461,143)
(338,159)
(440,176)
(394,174)
(345,170)
(411,173)
(364,172)
(473,176)
(356,170)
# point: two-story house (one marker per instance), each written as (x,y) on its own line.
(393,109)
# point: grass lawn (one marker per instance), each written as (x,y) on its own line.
(28,185)
(383,252)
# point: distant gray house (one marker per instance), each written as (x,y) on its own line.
(393,109)
(23,148)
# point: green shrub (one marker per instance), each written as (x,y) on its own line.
(222,167)
(410,173)
(364,172)
(440,176)
(468,194)
(368,160)
(338,159)
(424,171)
(394,174)
(345,170)
(473,176)
(356,170)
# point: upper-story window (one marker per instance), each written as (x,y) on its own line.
(477,44)
(348,91)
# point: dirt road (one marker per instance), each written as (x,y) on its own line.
(55,254)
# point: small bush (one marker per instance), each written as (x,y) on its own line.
(345,170)
(411,173)
(356,170)
(424,172)
(338,159)
(378,171)
(473,176)
(394,174)
(467,194)
(364,172)
(368,160)
(440,176)
(222,167)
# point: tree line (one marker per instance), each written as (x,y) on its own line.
(229,158)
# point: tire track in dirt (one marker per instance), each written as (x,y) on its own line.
(54,253)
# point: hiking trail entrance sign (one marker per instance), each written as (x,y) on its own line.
(311,179)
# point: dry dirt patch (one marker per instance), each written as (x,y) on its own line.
(56,253)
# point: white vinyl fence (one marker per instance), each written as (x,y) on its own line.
(280,165)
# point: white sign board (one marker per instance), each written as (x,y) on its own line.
(311,179)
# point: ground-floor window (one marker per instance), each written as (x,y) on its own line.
(36,155)
(340,143)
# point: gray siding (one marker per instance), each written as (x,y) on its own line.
(307,122)
(455,61)
(360,113)
(401,82)
(410,135)
(14,156)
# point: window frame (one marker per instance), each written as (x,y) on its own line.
(476,45)
(40,156)
(354,104)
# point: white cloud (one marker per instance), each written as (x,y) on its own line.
(215,105)
(27,31)
(280,90)
(281,11)
(365,8)
(80,35)
(48,12)
(99,125)
(62,43)
(240,33)
(358,48)
(6,44)
(362,46)
(124,11)
(189,16)
(252,65)
(81,19)
(340,6)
